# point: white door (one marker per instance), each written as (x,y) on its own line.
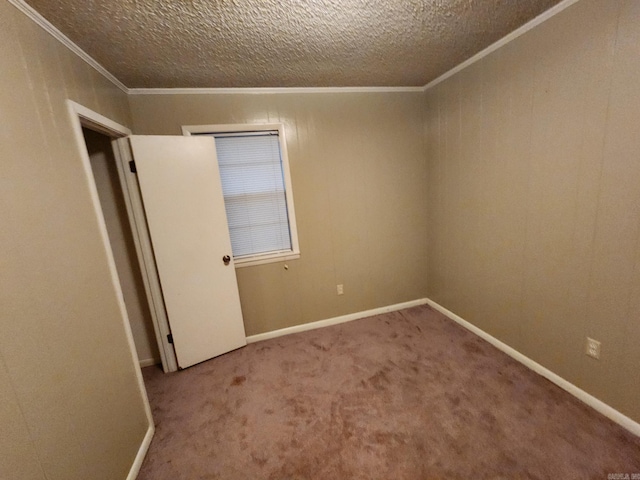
(182,197)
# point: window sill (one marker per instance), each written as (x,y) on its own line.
(263,259)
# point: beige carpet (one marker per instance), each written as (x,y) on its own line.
(405,395)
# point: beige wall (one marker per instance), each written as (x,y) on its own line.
(534,195)
(70,407)
(358,173)
(105,174)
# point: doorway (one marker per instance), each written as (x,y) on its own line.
(121,240)
(105,142)
(184,211)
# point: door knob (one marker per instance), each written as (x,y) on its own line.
(226,259)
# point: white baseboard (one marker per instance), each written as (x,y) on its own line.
(593,402)
(142,452)
(334,321)
(147,362)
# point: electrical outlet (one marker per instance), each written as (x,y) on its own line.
(593,348)
(340,289)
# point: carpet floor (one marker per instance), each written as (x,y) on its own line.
(404,395)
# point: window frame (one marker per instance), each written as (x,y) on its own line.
(269,257)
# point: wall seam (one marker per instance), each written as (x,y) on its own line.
(527,224)
(24,418)
(588,322)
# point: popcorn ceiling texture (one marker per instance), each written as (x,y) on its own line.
(284,43)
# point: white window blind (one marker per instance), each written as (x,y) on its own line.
(254,192)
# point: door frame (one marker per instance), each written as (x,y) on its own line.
(81,116)
(84,117)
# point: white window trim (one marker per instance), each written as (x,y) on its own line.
(270,257)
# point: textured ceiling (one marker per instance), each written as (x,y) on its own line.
(284,43)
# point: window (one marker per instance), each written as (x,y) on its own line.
(256,185)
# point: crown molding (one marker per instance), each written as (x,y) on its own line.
(543,17)
(62,38)
(269,90)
